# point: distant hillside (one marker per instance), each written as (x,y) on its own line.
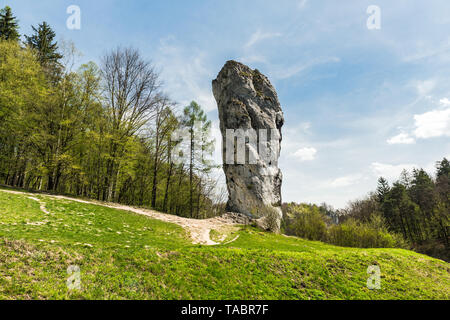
(124,255)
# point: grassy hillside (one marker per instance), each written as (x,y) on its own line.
(126,256)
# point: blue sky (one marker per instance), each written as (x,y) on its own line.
(358,103)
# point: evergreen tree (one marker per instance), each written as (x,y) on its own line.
(200,146)
(443,169)
(47,48)
(9,27)
(382,189)
(403,213)
(442,216)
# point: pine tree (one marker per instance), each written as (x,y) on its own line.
(200,145)
(8,25)
(442,218)
(47,49)
(443,168)
(382,189)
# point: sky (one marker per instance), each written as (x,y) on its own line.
(359,102)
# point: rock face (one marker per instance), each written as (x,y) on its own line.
(247,101)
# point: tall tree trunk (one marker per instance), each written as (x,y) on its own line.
(191,175)
(50,181)
(169,175)
(198,197)
(154,181)
(180,180)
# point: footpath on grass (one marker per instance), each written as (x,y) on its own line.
(198,229)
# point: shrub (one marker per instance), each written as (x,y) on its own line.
(354,234)
(435,249)
(306,222)
(270,218)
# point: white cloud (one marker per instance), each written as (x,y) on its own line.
(425,87)
(306,154)
(287,72)
(305,126)
(435,123)
(294,137)
(254,58)
(402,138)
(185,74)
(389,171)
(345,181)
(259,36)
(438,51)
(445,102)
(431,124)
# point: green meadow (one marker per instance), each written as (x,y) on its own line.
(122,255)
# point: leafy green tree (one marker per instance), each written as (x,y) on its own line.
(363,209)
(132,90)
(306,221)
(162,129)
(9,27)
(172,123)
(99,134)
(23,89)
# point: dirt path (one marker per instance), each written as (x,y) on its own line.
(42,204)
(199,230)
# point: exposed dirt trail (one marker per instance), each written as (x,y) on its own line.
(42,205)
(199,230)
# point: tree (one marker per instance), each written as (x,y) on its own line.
(70,136)
(59,123)
(9,27)
(382,189)
(23,89)
(87,150)
(442,216)
(403,213)
(422,192)
(164,126)
(200,147)
(443,169)
(173,122)
(363,209)
(132,91)
(47,48)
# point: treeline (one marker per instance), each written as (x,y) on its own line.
(417,206)
(105,132)
(413,212)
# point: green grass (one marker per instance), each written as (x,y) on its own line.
(123,255)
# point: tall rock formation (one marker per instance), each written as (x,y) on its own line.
(250,121)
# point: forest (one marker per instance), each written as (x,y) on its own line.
(104,132)
(412,213)
(109,132)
